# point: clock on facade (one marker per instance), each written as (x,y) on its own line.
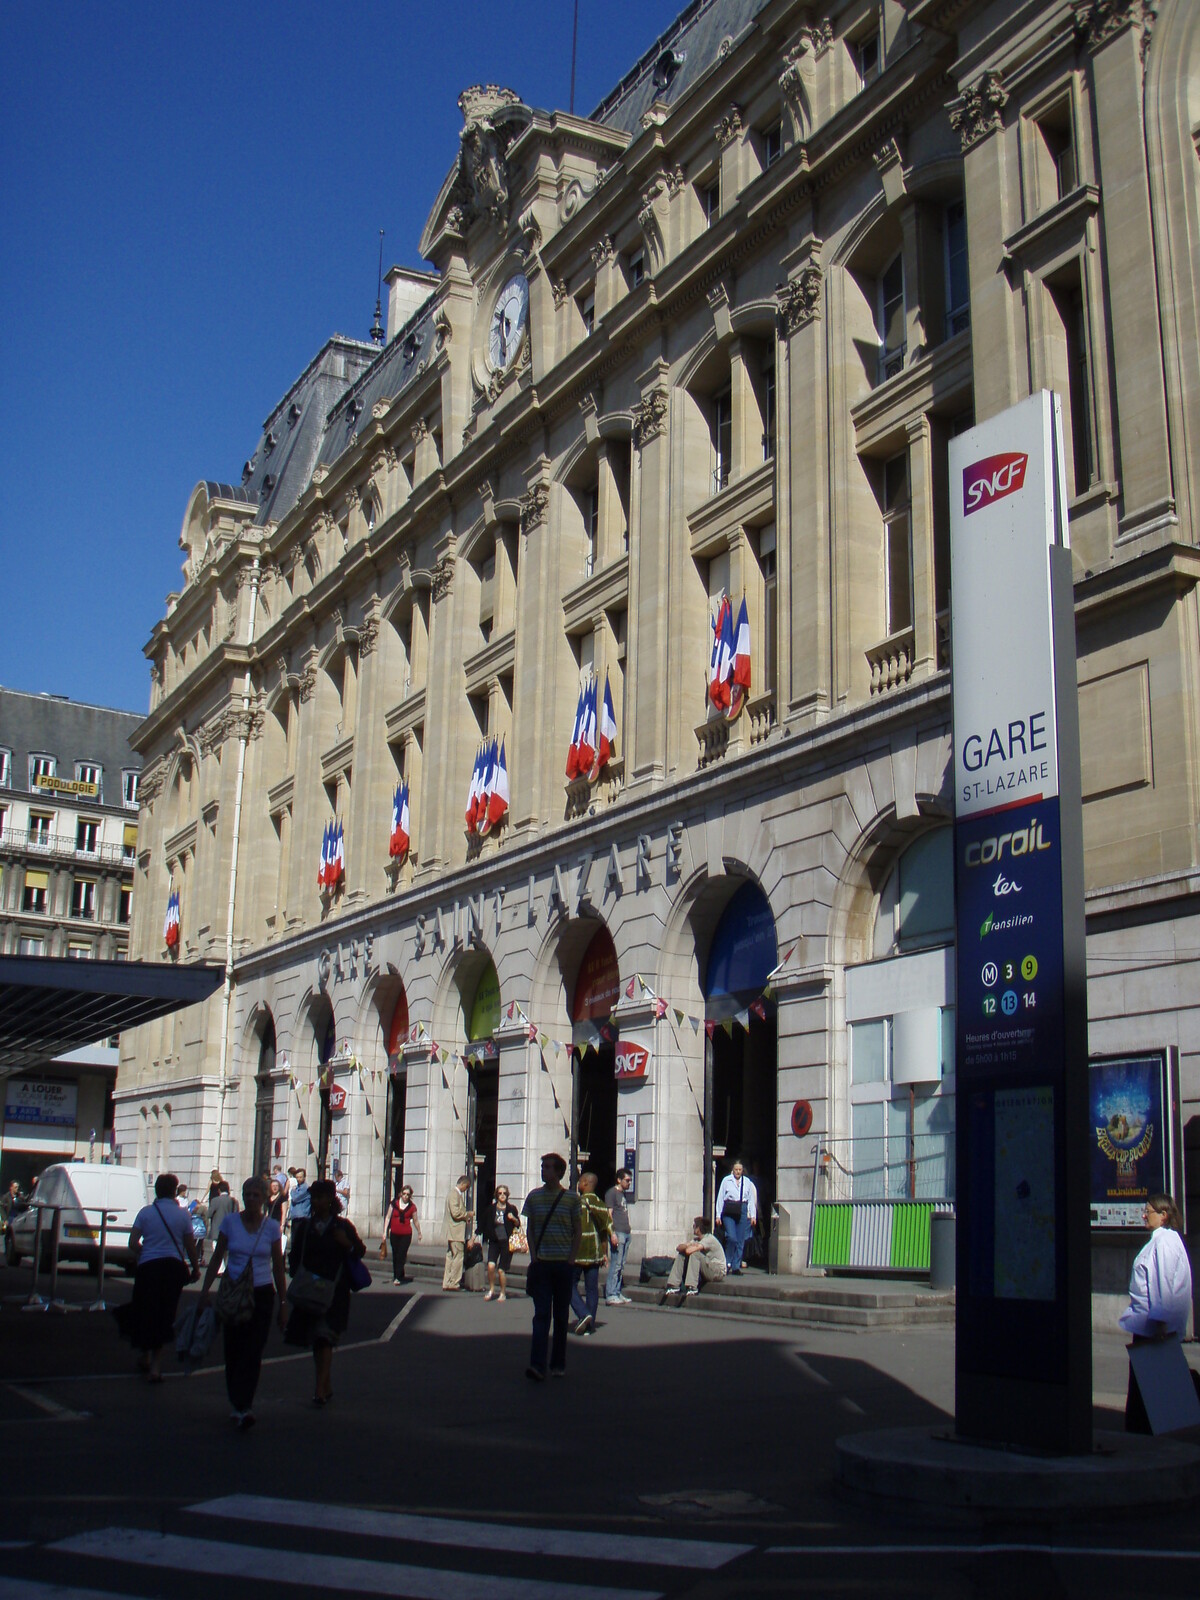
(509,321)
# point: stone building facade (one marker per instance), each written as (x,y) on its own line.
(710,342)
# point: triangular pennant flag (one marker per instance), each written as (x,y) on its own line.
(710,1027)
(742,1018)
(678,1017)
(695,1022)
(660,1008)
(629,987)
(727,1024)
(759,1009)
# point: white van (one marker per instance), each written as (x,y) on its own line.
(82,1188)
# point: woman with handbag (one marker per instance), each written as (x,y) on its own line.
(250,1243)
(167,1259)
(323,1247)
(503,1221)
(402,1223)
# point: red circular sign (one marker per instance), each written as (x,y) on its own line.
(801,1118)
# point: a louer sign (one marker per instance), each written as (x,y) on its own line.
(1023,1343)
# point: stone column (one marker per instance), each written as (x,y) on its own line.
(920,495)
(650,621)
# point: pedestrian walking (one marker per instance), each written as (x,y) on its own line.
(595,1235)
(221,1206)
(456,1219)
(166,1259)
(1160,1294)
(552,1226)
(737,1212)
(251,1246)
(277,1203)
(323,1245)
(617,1203)
(402,1223)
(298,1201)
(503,1221)
(341,1183)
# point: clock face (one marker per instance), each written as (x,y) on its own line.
(508,324)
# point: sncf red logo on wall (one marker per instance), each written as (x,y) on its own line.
(991,479)
(337,1098)
(632,1060)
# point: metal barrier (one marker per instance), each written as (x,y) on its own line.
(38,1302)
(877,1215)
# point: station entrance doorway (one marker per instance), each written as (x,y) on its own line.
(741,1079)
(481,1019)
(594,1095)
(397,1100)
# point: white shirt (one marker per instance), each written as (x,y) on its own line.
(342,1186)
(738,1189)
(1160,1286)
(163,1227)
(245,1244)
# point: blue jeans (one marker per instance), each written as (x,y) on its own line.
(591,1292)
(548,1284)
(736,1234)
(615,1283)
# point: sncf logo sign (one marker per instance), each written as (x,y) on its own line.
(991,479)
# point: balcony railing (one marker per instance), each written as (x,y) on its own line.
(62,847)
(583,797)
(891,661)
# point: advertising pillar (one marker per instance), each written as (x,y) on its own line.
(1023,1351)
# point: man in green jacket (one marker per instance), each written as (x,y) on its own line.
(596,1234)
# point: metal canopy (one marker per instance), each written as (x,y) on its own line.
(50,1005)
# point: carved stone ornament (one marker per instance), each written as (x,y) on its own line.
(308,680)
(560,292)
(602,252)
(1098,21)
(531,234)
(420,430)
(651,218)
(150,784)
(368,635)
(675,180)
(443,578)
(442,329)
(650,417)
(888,155)
(245,575)
(535,506)
(797,82)
(353,498)
(800,300)
(492,117)
(976,112)
(573,196)
(729,127)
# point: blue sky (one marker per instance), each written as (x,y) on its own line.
(192,201)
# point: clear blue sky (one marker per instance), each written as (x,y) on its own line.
(192,198)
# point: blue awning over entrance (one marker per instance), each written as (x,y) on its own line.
(744,950)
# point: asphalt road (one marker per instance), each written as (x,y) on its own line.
(682,1455)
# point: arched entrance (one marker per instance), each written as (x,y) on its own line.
(481,1018)
(741,1078)
(397,1099)
(324,1042)
(264,1098)
(594,1081)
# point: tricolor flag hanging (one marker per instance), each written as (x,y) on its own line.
(473,792)
(740,673)
(323,881)
(398,845)
(607,732)
(337,856)
(573,752)
(720,662)
(587,731)
(490,757)
(497,803)
(171,921)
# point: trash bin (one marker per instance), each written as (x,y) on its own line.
(941,1250)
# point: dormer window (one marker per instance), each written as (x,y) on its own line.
(247,469)
(41,770)
(293,414)
(87,772)
(129,790)
(411,345)
(269,442)
(268,482)
(5,769)
(355,408)
(666,67)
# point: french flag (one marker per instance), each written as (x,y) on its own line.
(171,922)
(338,863)
(497,804)
(740,686)
(720,662)
(573,752)
(608,732)
(398,846)
(474,791)
(323,866)
(486,781)
(587,733)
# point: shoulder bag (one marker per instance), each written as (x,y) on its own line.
(235,1296)
(518,1244)
(731,1211)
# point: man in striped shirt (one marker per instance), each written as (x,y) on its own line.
(553,1227)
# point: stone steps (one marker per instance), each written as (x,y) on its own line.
(837,1303)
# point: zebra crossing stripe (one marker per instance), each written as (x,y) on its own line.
(629,1549)
(139,1547)
(30,1589)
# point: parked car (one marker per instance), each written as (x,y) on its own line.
(81,1189)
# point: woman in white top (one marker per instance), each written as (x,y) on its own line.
(167,1259)
(737,1212)
(249,1240)
(1160,1294)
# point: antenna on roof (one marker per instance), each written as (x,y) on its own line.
(574,44)
(377,330)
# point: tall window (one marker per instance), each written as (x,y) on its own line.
(637,268)
(1071,363)
(866,58)
(89,772)
(770,608)
(772,144)
(37,890)
(1057,171)
(125,904)
(3,819)
(891,320)
(591,528)
(83,898)
(87,837)
(710,201)
(722,438)
(31,946)
(40,824)
(129,842)
(958,287)
(129,790)
(768,438)
(40,767)
(897,545)
(587,310)
(5,769)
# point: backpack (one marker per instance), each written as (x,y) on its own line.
(655,1267)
